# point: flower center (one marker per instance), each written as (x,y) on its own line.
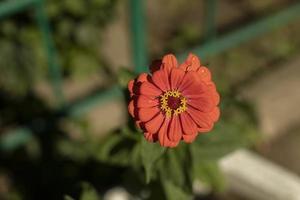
(172,103)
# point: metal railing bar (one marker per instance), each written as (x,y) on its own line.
(54,68)
(13,139)
(210,12)
(11,7)
(246,33)
(83,107)
(138,35)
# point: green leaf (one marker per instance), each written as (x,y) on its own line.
(107,145)
(135,156)
(118,150)
(122,157)
(150,153)
(88,193)
(174,192)
(176,166)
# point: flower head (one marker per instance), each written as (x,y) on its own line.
(176,102)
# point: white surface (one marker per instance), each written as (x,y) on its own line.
(257,178)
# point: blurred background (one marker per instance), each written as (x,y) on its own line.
(64,128)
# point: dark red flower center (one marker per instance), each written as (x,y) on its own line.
(174,102)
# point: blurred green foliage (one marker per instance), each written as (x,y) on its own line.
(76,26)
(88,193)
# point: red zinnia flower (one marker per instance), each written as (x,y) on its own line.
(175,102)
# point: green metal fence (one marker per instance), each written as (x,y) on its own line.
(214,44)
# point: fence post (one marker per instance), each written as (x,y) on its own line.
(210,11)
(138,35)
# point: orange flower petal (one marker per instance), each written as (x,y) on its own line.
(200,118)
(204,74)
(176,78)
(183,66)
(205,129)
(142,77)
(146,101)
(193,62)
(188,125)
(146,114)
(188,80)
(193,89)
(153,125)
(175,131)
(215,95)
(189,138)
(151,137)
(163,135)
(131,108)
(215,114)
(204,104)
(161,79)
(130,87)
(169,61)
(149,89)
